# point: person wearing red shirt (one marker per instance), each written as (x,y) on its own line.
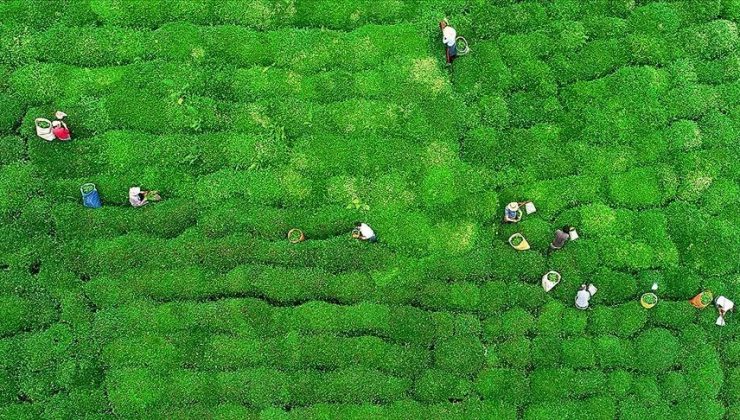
(61,131)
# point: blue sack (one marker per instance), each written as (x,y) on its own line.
(90,196)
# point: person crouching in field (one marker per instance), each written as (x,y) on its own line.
(364,232)
(561,237)
(583,296)
(449,36)
(60,130)
(139,198)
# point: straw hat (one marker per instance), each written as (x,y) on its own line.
(513,206)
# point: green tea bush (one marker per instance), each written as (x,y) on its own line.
(515,352)
(22,314)
(439,385)
(578,353)
(506,385)
(656,350)
(555,384)
(712,40)
(612,352)
(673,315)
(459,355)
(641,188)
(617,286)
(490,19)
(597,407)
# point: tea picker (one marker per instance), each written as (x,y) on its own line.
(363,232)
(454,45)
(52,130)
(139,198)
(562,235)
(723,305)
(583,296)
(513,212)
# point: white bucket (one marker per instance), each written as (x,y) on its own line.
(573,235)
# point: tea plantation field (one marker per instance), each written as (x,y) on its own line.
(619,117)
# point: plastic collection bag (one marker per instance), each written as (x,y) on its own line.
(90,196)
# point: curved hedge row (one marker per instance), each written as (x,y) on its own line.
(94,46)
(293,352)
(134,391)
(253,317)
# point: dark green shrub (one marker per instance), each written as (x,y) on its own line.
(578,353)
(12,150)
(19,182)
(614,287)
(493,297)
(597,407)
(574,322)
(656,350)
(731,352)
(558,384)
(549,319)
(684,135)
(601,220)
(515,352)
(733,385)
(619,383)
(459,355)
(439,385)
(494,111)
(568,35)
(703,371)
(630,318)
(673,386)
(612,352)
(673,315)
(709,407)
(546,352)
(691,102)
(506,385)
(516,322)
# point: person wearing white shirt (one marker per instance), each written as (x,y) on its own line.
(723,306)
(139,198)
(584,296)
(365,232)
(449,38)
